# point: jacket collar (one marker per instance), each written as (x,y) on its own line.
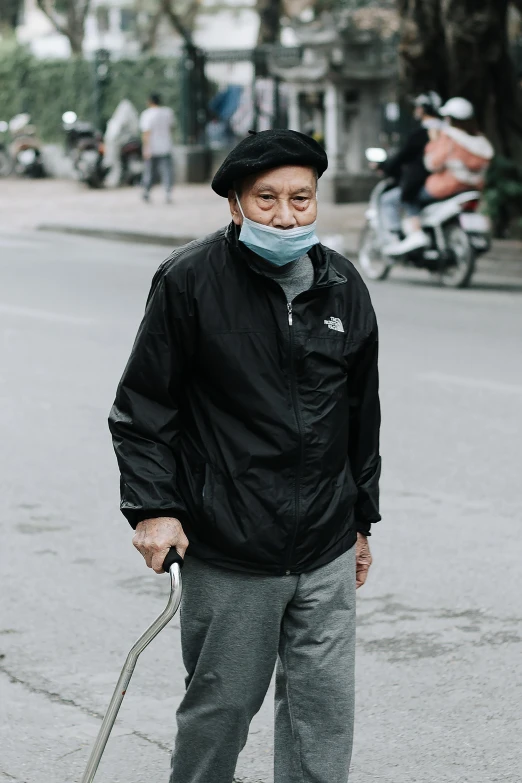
(325,272)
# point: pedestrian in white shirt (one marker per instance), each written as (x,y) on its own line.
(156,125)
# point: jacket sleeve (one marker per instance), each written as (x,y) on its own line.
(365,421)
(144,420)
(412,150)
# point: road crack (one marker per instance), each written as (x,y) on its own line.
(10,777)
(59,699)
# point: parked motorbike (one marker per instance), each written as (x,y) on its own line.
(457,233)
(25,148)
(131,162)
(84,144)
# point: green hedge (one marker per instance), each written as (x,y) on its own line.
(47,88)
(503,197)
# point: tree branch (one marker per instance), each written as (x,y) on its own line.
(148,39)
(86,7)
(48,11)
(176,22)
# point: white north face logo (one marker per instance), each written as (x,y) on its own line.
(335,323)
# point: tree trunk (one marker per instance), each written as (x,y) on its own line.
(9,11)
(149,36)
(177,22)
(68,18)
(422,47)
(460,47)
(270,12)
(76,13)
(480,68)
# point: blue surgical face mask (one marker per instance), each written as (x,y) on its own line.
(278,245)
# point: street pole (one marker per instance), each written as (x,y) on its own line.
(101,81)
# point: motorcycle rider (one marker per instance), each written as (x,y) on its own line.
(122,126)
(407,166)
(457,158)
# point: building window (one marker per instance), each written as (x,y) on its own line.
(102,19)
(351,96)
(127,19)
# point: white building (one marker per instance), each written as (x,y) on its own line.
(111,25)
(38,32)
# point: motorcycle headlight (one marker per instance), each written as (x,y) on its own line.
(26,157)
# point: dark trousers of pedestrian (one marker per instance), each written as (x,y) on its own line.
(158,165)
(235,628)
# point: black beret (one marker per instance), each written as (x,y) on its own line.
(268,150)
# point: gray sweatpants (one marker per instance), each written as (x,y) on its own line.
(235,628)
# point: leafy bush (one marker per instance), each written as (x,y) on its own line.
(503,197)
(48,88)
(137,79)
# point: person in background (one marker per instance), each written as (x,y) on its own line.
(407,166)
(121,128)
(156,124)
(457,158)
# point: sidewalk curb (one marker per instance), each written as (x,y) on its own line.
(497,255)
(120,235)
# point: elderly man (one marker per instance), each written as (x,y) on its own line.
(246,427)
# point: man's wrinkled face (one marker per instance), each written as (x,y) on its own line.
(285,197)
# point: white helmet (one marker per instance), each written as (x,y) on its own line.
(430,100)
(458,109)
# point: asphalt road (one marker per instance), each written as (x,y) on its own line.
(440,635)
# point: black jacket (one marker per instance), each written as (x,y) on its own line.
(407,166)
(260,436)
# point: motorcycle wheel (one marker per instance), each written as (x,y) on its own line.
(459,274)
(132,170)
(6,164)
(374,265)
(36,171)
(95,178)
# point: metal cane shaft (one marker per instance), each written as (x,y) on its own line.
(107,724)
(126,673)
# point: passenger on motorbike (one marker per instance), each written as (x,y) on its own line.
(457,159)
(407,166)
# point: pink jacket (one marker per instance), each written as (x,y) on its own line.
(458,161)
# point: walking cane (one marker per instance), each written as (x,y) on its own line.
(172,565)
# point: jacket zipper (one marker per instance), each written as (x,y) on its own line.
(300,429)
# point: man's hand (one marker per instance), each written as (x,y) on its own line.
(154,538)
(363,560)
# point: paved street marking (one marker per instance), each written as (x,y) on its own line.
(470,383)
(44,315)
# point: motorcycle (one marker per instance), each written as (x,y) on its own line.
(457,234)
(25,149)
(131,162)
(84,144)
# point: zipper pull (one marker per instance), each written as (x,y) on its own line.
(290,319)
